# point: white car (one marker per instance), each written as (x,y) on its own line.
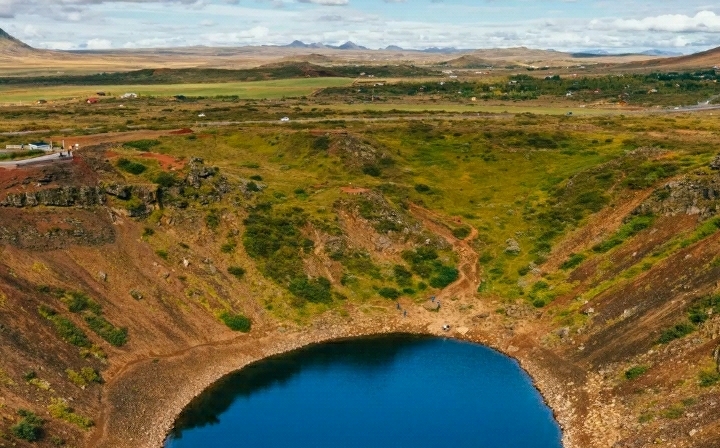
(285,119)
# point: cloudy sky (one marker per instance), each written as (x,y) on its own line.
(614,25)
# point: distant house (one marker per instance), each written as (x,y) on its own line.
(92,100)
(285,119)
(100,93)
(41,101)
(128,95)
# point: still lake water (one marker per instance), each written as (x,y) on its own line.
(392,391)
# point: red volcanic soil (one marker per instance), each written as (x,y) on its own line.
(166,162)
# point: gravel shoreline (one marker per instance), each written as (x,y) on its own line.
(142,403)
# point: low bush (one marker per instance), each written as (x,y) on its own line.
(131,167)
(212,219)
(444,276)
(142,145)
(59,408)
(461,232)
(635,372)
(422,188)
(78,301)
(573,261)
(676,332)
(29,427)
(321,143)
(106,330)
(389,293)
(403,277)
(700,311)
(371,170)
(236,322)
(709,378)
(315,290)
(85,376)
(165,179)
(162,254)
(65,328)
(236,271)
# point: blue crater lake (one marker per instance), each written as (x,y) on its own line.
(391,391)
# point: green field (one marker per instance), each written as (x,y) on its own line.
(473,107)
(244,90)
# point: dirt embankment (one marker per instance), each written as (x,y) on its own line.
(167,291)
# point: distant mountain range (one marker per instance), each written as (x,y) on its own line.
(652,52)
(353,46)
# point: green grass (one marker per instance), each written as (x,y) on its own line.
(254,89)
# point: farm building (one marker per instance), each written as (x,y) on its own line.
(92,100)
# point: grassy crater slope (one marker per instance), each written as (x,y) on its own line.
(586,247)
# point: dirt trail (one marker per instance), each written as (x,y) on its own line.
(469,279)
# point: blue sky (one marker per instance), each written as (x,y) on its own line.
(614,25)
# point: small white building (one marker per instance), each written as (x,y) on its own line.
(129,95)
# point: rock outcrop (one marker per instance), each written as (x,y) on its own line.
(691,195)
(84,196)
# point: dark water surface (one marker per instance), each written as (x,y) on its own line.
(394,391)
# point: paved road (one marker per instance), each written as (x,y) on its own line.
(24,162)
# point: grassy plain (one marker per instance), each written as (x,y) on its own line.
(255,89)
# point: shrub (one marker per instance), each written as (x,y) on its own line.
(142,145)
(573,261)
(29,427)
(162,254)
(212,219)
(59,408)
(313,290)
(389,293)
(65,328)
(106,330)
(236,322)
(86,376)
(635,372)
(371,170)
(403,277)
(676,332)
(236,271)
(147,231)
(165,179)
(79,301)
(131,167)
(321,143)
(700,311)
(709,378)
(422,188)
(252,186)
(228,247)
(445,275)
(461,232)
(256,177)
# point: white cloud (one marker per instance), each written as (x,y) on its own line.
(326,2)
(703,21)
(98,44)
